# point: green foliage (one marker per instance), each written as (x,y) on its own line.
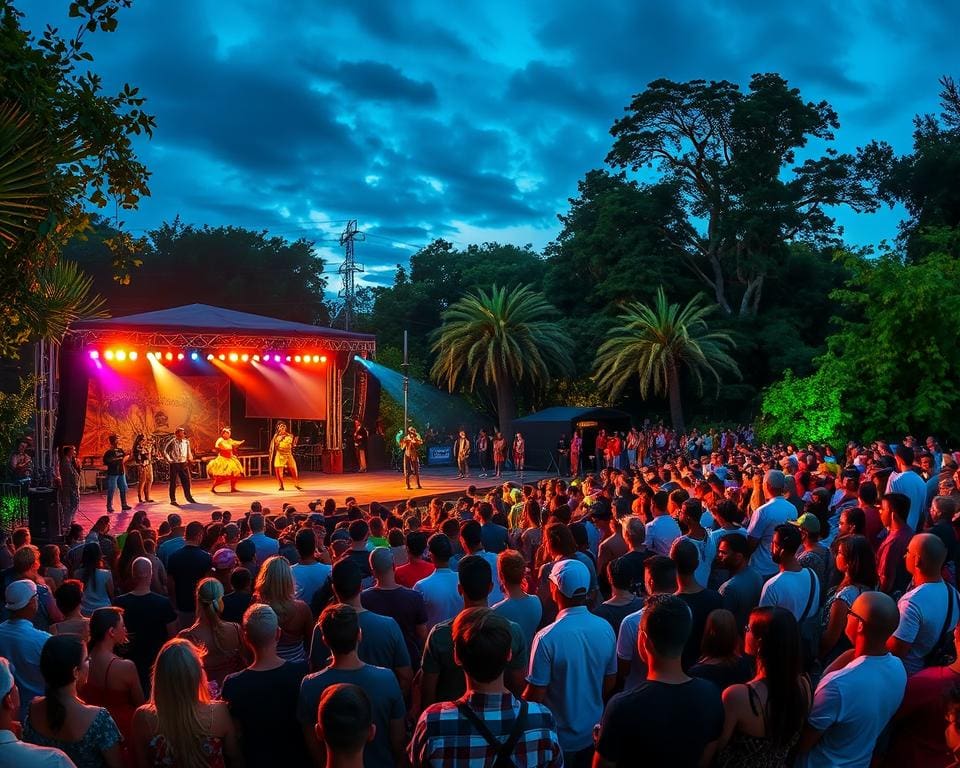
(653,343)
(17,410)
(64,130)
(730,155)
(504,339)
(227,266)
(804,410)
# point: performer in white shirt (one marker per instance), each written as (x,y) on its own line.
(180,456)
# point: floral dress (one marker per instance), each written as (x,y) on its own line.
(102,735)
(211,746)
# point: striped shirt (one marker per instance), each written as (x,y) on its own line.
(445,739)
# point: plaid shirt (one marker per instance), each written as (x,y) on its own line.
(445,739)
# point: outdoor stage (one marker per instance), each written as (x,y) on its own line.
(384,486)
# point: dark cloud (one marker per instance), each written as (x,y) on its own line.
(428,119)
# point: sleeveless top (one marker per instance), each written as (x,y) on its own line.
(211,746)
(117,703)
(746,751)
(219,663)
(87,752)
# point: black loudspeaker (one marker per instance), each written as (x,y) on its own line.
(43,515)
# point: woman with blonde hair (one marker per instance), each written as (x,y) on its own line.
(221,641)
(181,725)
(275,588)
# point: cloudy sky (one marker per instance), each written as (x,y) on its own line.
(471,121)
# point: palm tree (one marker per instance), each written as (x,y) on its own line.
(655,342)
(506,338)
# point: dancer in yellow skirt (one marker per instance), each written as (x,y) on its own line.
(225,466)
(281,455)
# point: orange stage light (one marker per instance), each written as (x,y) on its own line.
(133,355)
(256,358)
(244,357)
(316,358)
(210,356)
(323,358)
(222,356)
(121,355)
(234,357)
(297,358)
(169,355)
(108,354)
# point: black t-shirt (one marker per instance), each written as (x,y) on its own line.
(406,607)
(146,618)
(615,614)
(634,560)
(659,724)
(235,605)
(362,558)
(700,603)
(265,705)
(725,675)
(113,459)
(187,566)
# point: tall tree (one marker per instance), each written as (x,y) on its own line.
(925,180)
(655,343)
(227,266)
(729,155)
(74,137)
(504,338)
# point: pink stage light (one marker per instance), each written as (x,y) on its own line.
(276,358)
(179,355)
(288,358)
(94,355)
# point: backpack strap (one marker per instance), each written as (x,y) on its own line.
(504,749)
(813,584)
(947,626)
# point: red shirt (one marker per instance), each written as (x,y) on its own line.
(917,727)
(873,525)
(410,573)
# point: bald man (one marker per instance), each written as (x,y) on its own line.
(929,611)
(860,692)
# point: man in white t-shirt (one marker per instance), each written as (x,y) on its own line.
(765,519)
(441,596)
(659,578)
(910,484)
(932,607)
(860,692)
(309,574)
(795,588)
(663,530)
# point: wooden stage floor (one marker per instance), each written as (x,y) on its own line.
(384,486)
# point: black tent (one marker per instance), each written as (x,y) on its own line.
(542,430)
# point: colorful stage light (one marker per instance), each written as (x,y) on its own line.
(108,354)
(323,358)
(222,356)
(307,358)
(169,355)
(316,359)
(288,358)
(196,356)
(244,357)
(296,359)
(179,355)
(276,358)
(210,356)
(94,355)
(134,355)
(234,357)
(256,358)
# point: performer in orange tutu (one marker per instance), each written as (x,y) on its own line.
(225,466)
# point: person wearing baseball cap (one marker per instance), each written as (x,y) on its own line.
(573,662)
(12,750)
(21,642)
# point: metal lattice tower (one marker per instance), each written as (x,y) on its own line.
(347,270)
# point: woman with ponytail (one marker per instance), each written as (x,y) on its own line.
(112,682)
(87,734)
(221,641)
(764,717)
(181,726)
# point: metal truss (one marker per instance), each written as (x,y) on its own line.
(218,340)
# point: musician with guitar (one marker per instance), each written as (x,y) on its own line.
(180,456)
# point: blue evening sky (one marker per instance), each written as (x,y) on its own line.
(471,121)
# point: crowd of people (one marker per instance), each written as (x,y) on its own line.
(704,602)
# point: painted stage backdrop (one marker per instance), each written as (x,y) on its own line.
(136,402)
